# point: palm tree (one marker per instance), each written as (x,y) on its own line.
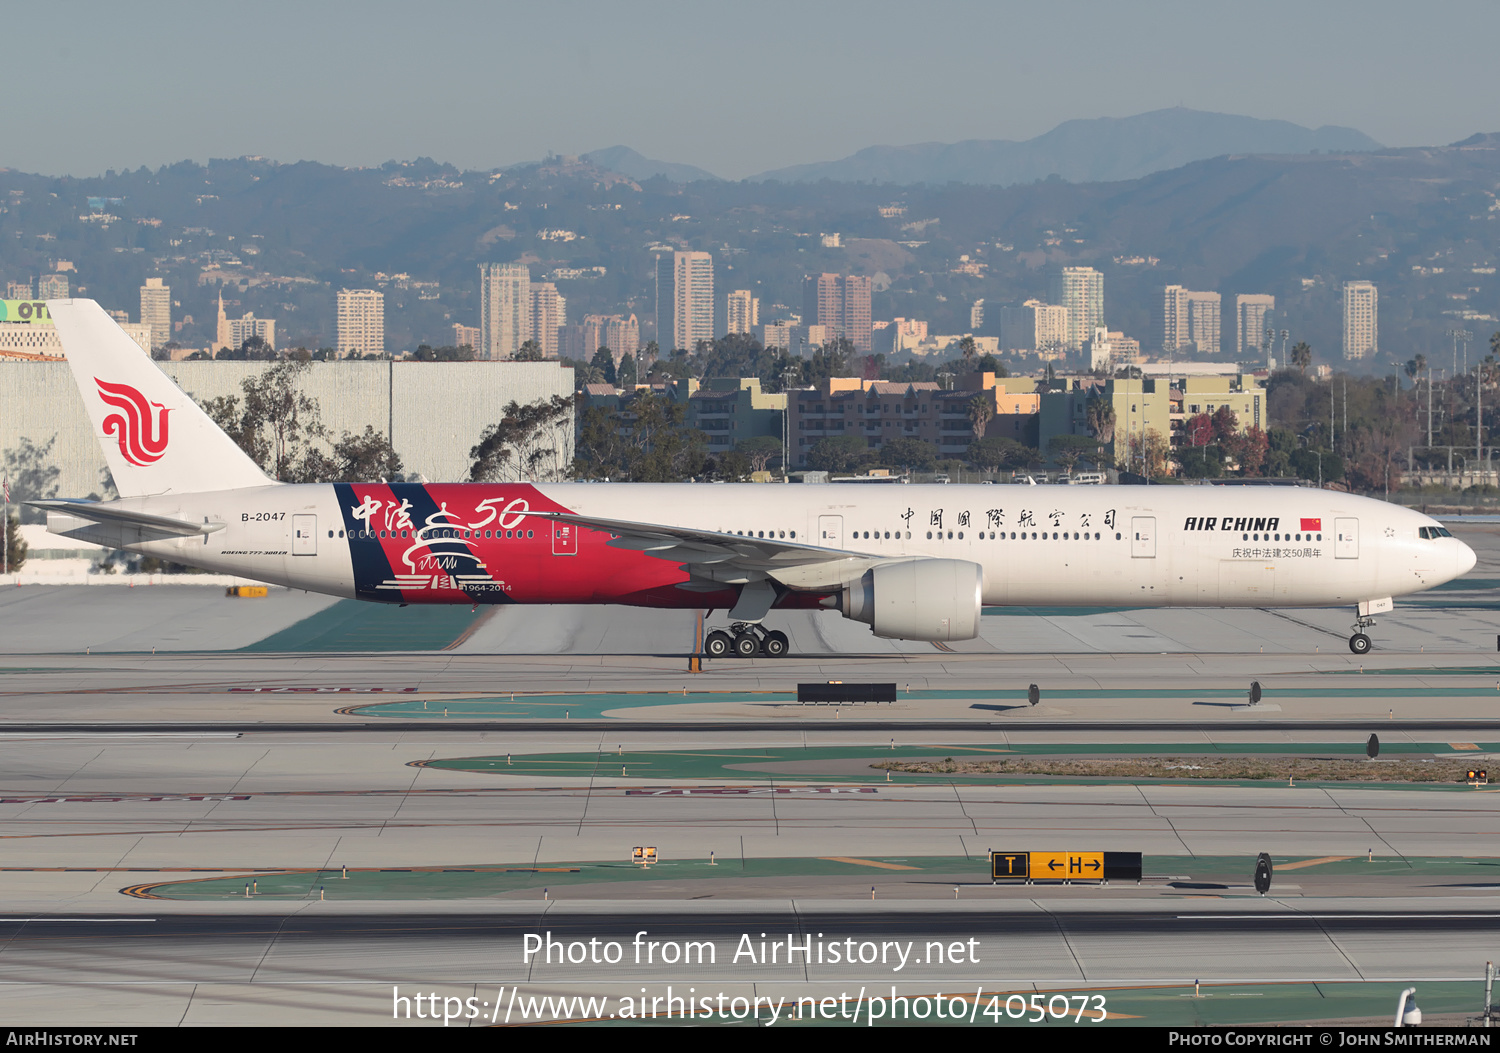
(981,412)
(1414,369)
(970,351)
(1100,415)
(1301,356)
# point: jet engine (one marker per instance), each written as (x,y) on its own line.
(920,599)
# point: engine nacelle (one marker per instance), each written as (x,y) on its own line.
(920,599)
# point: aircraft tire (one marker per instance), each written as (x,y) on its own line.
(777,645)
(1359,643)
(718,644)
(747,645)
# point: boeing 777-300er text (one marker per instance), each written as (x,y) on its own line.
(913,562)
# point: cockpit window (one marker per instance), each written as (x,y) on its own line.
(1434,532)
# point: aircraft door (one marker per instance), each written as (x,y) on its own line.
(304,535)
(1143,537)
(831,531)
(1346,538)
(564,539)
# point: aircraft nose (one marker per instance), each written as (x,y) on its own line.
(1463,560)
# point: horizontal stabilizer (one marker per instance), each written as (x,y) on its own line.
(108,513)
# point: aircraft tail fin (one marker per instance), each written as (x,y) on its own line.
(156,439)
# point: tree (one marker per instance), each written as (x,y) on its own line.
(1148,454)
(280,421)
(530,351)
(999,452)
(626,374)
(361,458)
(730,466)
(32,476)
(1414,367)
(604,362)
(1301,356)
(1250,450)
(981,412)
(280,427)
(991,364)
(1068,450)
(15,545)
(970,350)
(646,440)
(830,360)
(666,449)
(761,451)
(446,353)
(253,349)
(843,453)
(526,445)
(1100,416)
(1203,456)
(915,455)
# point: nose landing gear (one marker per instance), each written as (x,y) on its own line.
(1359,643)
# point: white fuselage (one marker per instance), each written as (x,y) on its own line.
(1148,546)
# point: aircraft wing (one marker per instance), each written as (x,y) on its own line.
(731,558)
(105,513)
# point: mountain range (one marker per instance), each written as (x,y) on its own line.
(1100,150)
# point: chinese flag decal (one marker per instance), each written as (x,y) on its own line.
(1312,524)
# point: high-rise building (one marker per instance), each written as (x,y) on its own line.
(361,322)
(743,313)
(823,301)
(548,314)
(156,310)
(466,336)
(1080,292)
(504,309)
(1124,350)
(778,334)
(1190,318)
(841,304)
(18,290)
(1204,322)
(1253,314)
(55,287)
(858,328)
(692,298)
(1034,327)
(1174,318)
(1361,320)
(233,332)
(976,316)
(621,335)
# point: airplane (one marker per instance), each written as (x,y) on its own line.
(917,562)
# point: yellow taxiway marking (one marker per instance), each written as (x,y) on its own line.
(867,863)
(967,749)
(1313,862)
(1462,746)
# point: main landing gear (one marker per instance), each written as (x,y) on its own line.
(1359,643)
(746,640)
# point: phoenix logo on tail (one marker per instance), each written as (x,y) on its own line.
(142,435)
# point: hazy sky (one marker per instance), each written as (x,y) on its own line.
(734,88)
